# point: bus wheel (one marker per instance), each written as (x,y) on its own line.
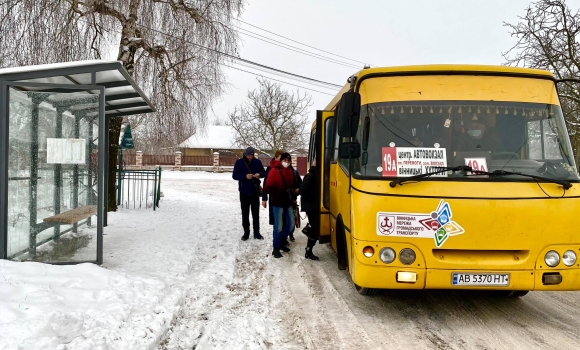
(365,291)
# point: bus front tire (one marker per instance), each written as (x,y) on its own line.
(365,291)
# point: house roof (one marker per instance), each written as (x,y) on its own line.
(216,137)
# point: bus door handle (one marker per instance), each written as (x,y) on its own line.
(334,183)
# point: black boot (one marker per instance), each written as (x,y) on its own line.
(257,235)
(292,239)
(310,255)
(284,243)
(284,248)
(246,236)
(276,253)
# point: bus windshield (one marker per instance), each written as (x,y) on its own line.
(402,139)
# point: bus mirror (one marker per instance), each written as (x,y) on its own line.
(349,150)
(348,114)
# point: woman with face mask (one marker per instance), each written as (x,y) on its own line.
(281,187)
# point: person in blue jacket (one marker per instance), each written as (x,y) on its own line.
(248,171)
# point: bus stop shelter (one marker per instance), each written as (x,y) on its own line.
(54,157)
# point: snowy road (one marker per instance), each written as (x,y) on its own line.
(314,305)
(180,278)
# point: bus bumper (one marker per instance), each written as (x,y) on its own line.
(387,278)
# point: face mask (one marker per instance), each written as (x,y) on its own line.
(474,133)
(285,165)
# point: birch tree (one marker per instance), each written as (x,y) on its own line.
(170,47)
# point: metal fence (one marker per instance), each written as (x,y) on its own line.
(151,159)
(228,160)
(140,189)
(197,160)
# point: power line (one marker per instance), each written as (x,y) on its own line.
(261,68)
(244,60)
(281,75)
(312,47)
(296,49)
(259,75)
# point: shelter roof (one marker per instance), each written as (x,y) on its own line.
(122,95)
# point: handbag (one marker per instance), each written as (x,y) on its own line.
(296,216)
(307,230)
(289,191)
(259,188)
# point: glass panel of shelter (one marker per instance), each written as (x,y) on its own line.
(52,176)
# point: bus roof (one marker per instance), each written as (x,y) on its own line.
(443,68)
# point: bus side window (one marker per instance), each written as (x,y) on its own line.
(312,149)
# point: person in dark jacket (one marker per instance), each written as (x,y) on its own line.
(248,171)
(281,188)
(308,202)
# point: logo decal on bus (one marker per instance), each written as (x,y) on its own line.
(437,225)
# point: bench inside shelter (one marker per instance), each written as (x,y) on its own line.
(73,216)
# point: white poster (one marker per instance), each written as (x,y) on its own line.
(65,151)
(410,161)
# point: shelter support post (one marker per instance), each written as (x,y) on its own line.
(75,191)
(57,172)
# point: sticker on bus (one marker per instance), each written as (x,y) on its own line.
(436,225)
(410,161)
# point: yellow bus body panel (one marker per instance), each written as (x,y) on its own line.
(507,226)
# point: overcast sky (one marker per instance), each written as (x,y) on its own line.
(380,32)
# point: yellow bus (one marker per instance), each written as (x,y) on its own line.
(449,177)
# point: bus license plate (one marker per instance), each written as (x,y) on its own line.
(481,279)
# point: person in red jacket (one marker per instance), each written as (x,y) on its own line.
(281,187)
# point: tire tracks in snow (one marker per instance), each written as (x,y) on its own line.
(329,322)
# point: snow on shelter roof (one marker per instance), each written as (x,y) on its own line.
(122,95)
(216,137)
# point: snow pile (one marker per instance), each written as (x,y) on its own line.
(81,307)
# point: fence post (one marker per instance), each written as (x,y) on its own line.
(294,160)
(139,160)
(216,161)
(177,160)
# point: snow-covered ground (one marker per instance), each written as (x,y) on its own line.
(174,278)
(181,278)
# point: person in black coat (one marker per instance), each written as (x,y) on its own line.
(248,171)
(308,201)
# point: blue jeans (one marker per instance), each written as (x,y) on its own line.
(282,217)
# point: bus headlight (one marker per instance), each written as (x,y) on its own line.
(569,258)
(407,256)
(387,255)
(552,258)
(368,251)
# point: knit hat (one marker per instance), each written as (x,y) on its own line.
(248,151)
(285,155)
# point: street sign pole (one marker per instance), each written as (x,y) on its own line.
(127,143)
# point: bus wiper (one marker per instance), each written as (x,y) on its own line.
(394,183)
(565,184)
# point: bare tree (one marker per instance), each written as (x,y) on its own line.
(272,119)
(548,39)
(171,47)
